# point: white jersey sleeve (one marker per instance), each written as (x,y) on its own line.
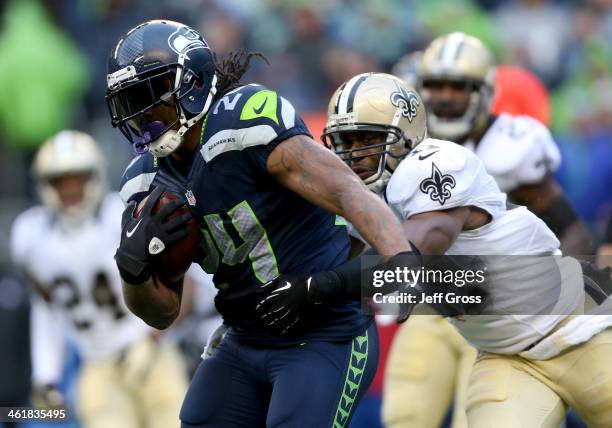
(25,231)
(46,336)
(47,341)
(439,175)
(518,150)
(110,215)
(76,269)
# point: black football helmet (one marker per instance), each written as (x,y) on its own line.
(159,62)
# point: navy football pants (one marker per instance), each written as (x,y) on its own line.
(315,384)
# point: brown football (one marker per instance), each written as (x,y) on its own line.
(172,263)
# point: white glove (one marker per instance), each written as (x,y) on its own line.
(214,340)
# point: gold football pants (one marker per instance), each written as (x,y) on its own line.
(512,391)
(428,368)
(145,388)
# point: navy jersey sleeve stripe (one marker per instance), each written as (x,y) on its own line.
(252,120)
(137,178)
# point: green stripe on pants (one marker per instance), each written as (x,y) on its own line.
(354,374)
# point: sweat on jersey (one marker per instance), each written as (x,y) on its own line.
(253,228)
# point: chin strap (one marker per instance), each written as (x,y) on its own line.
(380,184)
(172,140)
(187,124)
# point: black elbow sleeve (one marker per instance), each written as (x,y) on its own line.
(559,215)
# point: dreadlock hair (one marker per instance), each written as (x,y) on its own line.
(232,68)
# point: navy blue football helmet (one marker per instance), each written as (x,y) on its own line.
(157,63)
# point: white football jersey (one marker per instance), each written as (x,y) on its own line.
(439,175)
(76,269)
(517,150)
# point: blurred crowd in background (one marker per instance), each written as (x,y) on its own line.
(53,67)
(53,74)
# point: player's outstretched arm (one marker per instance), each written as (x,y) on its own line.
(431,233)
(434,232)
(319,176)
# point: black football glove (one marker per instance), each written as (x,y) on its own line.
(147,236)
(286,299)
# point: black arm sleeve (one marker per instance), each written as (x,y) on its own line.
(559,215)
(341,282)
(351,280)
(345,281)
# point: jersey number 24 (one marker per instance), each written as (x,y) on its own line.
(256,245)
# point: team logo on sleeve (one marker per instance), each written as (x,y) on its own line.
(406,101)
(438,186)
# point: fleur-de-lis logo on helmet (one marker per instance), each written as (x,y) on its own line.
(438,186)
(405,100)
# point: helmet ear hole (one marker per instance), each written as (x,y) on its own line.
(199,82)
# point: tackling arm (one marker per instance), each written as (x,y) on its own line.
(434,232)
(319,176)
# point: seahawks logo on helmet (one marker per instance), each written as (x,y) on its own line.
(184,40)
(438,185)
(405,100)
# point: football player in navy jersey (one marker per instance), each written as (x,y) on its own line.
(269,201)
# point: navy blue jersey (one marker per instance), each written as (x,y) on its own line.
(253,228)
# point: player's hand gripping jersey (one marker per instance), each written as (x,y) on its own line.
(439,175)
(84,292)
(253,228)
(518,150)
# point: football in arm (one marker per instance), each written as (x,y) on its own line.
(172,263)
